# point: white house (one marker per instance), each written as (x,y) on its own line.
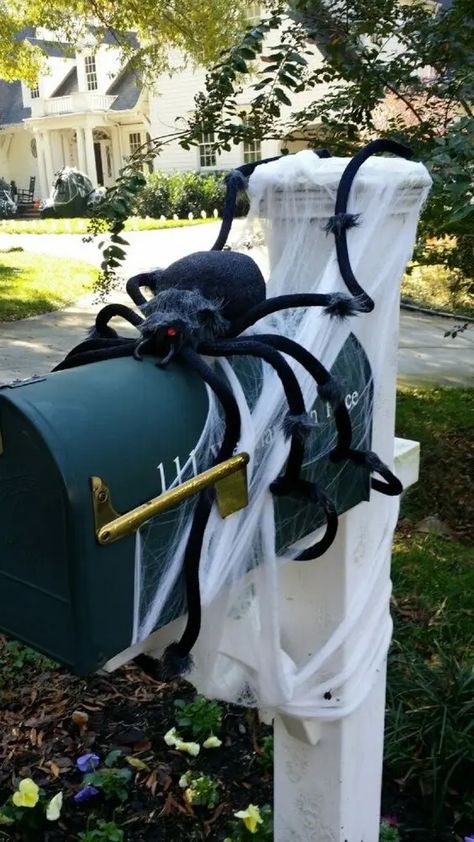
(89,112)
(86,112)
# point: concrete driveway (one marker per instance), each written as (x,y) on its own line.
(34,346)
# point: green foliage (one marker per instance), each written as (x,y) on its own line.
(388,833)
(15,657)
(416,87)
(429,738)
(198,29)
(111,213)
(199,718)
(183,193)
(200,790)
(265,759)
(429,729)
(103,832)
(435,286)
(113,783)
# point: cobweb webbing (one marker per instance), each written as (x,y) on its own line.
(240,656)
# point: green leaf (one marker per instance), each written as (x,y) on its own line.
(112,757)
(282,97)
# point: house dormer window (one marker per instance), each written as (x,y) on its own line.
(91,73)
(34,92)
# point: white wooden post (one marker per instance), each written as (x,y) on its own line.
(328,775)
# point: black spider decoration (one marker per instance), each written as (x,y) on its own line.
(201,305)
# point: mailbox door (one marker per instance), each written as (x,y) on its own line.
(119,420)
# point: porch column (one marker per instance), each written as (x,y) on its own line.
(116,156)
(90,158)
(48,159)
(43,179)
(81,150)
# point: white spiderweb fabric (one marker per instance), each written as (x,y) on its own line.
(240,655)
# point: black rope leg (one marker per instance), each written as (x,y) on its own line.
(290,483)
(102,329)
(336,304)
(294,397)
(176,659)
(341,221)
(134,284)
(329,391)
(328,388)
(88,352)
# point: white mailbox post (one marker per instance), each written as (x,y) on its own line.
(327,688)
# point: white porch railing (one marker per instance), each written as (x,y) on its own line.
(74,103)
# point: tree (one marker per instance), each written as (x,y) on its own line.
(393,69)
(199,29)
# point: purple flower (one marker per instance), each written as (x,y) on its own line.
(469,839)
(392,821)
(87,762)
(85,793)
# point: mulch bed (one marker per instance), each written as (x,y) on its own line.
(130,711)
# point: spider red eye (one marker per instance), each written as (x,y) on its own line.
(171,331)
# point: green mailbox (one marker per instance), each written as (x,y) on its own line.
(60,590)
(77,445)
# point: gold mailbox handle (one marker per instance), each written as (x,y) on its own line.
(229,478)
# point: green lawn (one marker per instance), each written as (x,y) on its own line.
(429,741)
(31,283)
(79,225)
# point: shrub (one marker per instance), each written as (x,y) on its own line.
(200,718)
(429,726)
(182,193)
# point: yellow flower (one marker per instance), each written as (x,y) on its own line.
(27,794)
(53,810)
(171,737)
(251,817)
(189,795)
(212,742)
(189,748)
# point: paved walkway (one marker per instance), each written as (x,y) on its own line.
(34,346)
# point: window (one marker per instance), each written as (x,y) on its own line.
(207,153)
(91,73)
(253,13)
(135,141)
(252,151)
(34,92)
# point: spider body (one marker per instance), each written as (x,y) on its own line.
(201,306)
(232,279)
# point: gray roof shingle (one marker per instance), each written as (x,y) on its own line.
(127,88)
(12,109)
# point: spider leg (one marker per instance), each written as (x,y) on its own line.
(341,221)
(290,482)
(249,347)
(337,305)
(328,390)
(144,279)
(176,659)
(101,328)
(88,352)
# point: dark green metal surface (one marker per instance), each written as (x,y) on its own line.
(59,590)
(130,424)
